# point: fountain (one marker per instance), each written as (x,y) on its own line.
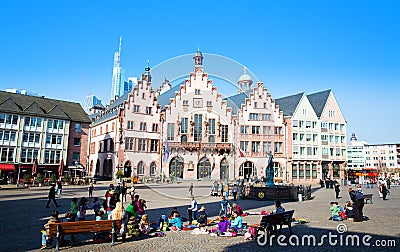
(270,190)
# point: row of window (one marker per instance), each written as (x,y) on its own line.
(136,109)
(304,124)
(55,124)
(304,171)
(94,131)
(8,119)
(256,146)
(333,151)
(7,135)
(33,122)
(32,137)
(382,158)
(197,129)
(259,116)
(266,130)
(141,144)
(333,138)
(29,154)
(36,122)
(332,126)
(383,152)
(310,151)
(382,165)
(308,137)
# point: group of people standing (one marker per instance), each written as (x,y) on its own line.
(218,189)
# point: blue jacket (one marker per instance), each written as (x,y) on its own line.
(237,222)
(176,222)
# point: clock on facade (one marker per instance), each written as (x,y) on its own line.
(197,102)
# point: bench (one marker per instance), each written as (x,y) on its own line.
(368,197)
(269,223)
(58,229)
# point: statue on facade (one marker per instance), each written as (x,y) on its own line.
(269,171)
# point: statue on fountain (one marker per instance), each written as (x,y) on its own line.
(269,171)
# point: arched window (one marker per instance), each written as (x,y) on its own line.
(224,169)
(153,168)
(247,170)
(140,168)
(176,167)
(204,168)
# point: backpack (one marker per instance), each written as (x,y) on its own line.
(358,196)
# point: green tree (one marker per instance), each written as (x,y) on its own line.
(27,179)
(119,174)
(53,178)
(67,179)
(40,178)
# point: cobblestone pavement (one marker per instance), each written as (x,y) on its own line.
(23,215)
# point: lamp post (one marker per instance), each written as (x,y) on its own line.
(19,172)
(161,150)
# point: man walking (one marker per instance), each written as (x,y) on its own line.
(52,196)
(190,193)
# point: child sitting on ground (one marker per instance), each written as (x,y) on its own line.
(144,224)
(335,211)
(349,210)
(175,223)
(100,215)
(237,222)
(223,225)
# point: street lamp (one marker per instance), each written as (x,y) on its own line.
(19,172)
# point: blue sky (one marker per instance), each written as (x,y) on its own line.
(351,47)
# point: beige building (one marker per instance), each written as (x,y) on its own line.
(191,131)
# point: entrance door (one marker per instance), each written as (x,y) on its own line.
(325,171)
(224,169)
(127,169)
(247,170)
(176,167)
(204,168)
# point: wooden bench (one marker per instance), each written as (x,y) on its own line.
(59,229)
(368,197)
(269,223)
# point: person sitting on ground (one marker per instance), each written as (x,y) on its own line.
(82,207)
(96,205)
(335,212)
(202,217)
(238,209)
(223,224)
(349,210)
(100,215)
(278,207)
(144,224)
(174,210)
(45,232)
(175,222)
(237,222)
